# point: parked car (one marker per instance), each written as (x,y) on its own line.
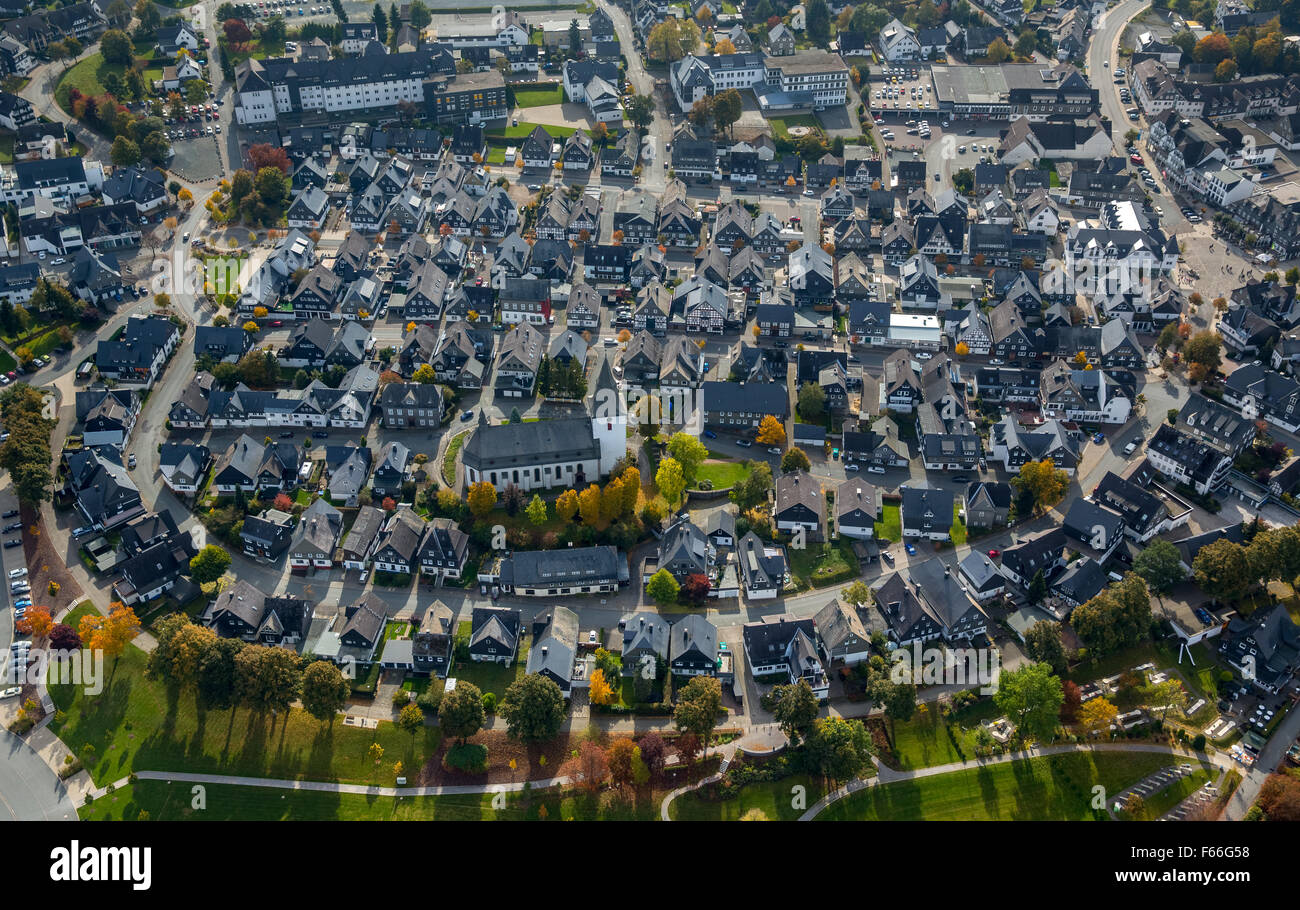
(12,513)
(467,416)
(13,526)
(320,434)
(83,531)
(744,443)
(15,542)
(12,692)
(18,573)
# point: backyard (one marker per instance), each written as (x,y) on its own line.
(723,474)
(537,97)
(890,526)
(820,564)
(1058,788)
(775,799)
(491,677)
(930,739)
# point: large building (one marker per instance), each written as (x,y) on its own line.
(813,80)
(1032,90)
(268,90)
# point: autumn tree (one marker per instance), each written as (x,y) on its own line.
(110,634)
(325,690)
(1096,715)
(771,431)
(589,505)
(566,506)
(482,498)
(671,480)
(1222,570)
(663,588)
(600,692)
(1042,482)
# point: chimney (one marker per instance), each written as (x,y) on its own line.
(947,571)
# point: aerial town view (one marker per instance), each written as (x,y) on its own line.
(707,410)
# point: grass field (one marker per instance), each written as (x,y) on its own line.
(1058,788)
(172,802)
(958,531)
(781,125)
(7,362)
(137,723)
(449,458)
(890,526)
(723,474)
(86,77)
(775,799)
(539,97)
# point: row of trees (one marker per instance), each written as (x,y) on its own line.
(1226,570)
(26,453)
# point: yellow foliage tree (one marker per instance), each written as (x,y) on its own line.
(589,505)
(110,634)
(567,505)
(1096,715)
(962,349)
(482,498)
(771,432)
(600,693)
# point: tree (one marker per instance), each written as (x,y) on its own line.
(600,692)
(209,565)
(817,21)
(325,690)
(420,15)
(460,713)
(663,588)
(266,678)
(670,480)
(1042,481)
(381,23)
(1031,696)
(1043,644)
(566,506)
(671,40)
(639,110)
(482,498)
(533,708)
(411,719)
(697,709)
(1203,353)
(1026,43)
(590,765)
(1073,698)
(963,181)
(727,108)
(812,401)
(841,748)
(536,510)
(37,622)
(771,432)
(1212,49)
(124,152)
(998,51)
(1096,715)
(795,709)
(1160,565)
(110,634)
(115,46)
(856,594)
(795,460)
(753,489)
(236,32)
(589,501)
(1222,570)
(724,46)
(626,766)
(961,349)
(688,452)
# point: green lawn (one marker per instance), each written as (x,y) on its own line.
(822,564)
(172,802)
(538,97)
(492,677)
(929,739)
(86,77)
(781,125)
(958,531)
(723,474)
(1058,788)
(7,362)
(6,147)
(138,723)
(775,799)
(890,526)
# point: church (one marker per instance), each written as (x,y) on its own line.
(569,452)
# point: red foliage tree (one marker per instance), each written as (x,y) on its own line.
(283,502)
(64,638)
(695,589)
(1073,699)
(654,752)
(263,154)
(389,504)
(236,31)
(1280,798)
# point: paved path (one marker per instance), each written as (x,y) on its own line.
(887,775)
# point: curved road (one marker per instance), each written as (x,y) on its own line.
(29,790)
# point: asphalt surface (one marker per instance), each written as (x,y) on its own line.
(29,790)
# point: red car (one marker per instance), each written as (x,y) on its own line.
(277,324)
(993,554)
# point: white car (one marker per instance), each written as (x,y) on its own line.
(774,450)
(18,573)
(12,692)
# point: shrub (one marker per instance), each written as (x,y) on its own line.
(470,758)
(429,700)
(401,698)
(1199,742)
(490,702)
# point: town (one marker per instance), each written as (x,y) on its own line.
(647,410)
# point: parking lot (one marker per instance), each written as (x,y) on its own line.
(902,89)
